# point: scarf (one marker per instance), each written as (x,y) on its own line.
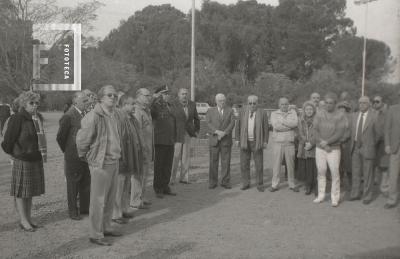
(42,143)
(258,127)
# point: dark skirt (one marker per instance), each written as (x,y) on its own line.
(307,172)
(27,179)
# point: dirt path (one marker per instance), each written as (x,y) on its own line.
(202,223)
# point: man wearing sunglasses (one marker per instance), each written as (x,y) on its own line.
(392,147)
(252,135)
(382,159)
(98,141)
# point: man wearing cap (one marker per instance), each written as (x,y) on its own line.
(187,127)
(164,140)
(364,136)
(392,147)
(220,123)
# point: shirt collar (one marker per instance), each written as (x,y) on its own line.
(80,112)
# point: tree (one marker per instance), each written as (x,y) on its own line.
(346,58)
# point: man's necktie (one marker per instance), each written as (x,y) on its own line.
(251,115)
(359,130)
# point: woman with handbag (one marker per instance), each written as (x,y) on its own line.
(25,141)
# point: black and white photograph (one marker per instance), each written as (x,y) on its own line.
(226,129)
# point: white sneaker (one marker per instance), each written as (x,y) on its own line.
(335,204)
(318,200)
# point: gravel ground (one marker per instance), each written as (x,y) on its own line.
(202,223)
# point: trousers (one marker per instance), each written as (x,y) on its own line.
(181,156)
(283,151)
(245,157)
(103,186)
(324,160)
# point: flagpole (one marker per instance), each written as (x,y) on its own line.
(364,50)
(364,57)
(192,83)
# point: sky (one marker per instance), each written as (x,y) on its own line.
(383,18)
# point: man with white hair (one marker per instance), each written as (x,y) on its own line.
(315,98)
(76,171)
(220,123)
(252,134)
(364,136)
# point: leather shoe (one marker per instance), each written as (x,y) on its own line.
(185,182)
(146,203)
(260,188)
(112,234)
(169,192)
(31,229)
(294,189)
(76,217)
(389,206)
(272,189)
(245,187)
(142,207)
(308,191)
(121,221)
(128,215)
(354,198)
(366,202)
(212,186)
(226,186)
(99,241)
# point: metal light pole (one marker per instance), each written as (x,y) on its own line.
(192,86)
(360,2)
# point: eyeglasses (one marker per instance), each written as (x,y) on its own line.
(252,103)
(376,101)
(112,95)
(33,103)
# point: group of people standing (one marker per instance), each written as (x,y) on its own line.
(324,136)
(111,139)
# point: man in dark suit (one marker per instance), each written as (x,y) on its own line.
(187,127)
(164,140)
(220,123)
(252,134)
(392,147)
(76,171)
(364,137)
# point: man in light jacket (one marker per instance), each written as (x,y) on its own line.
(252,135)
(98,142)
(145,125)
(284,122)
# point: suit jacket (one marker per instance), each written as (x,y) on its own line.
(70,123)
(190,124)
(224,123)
(392,128)
(370,134)
(263,127)
(145,124)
